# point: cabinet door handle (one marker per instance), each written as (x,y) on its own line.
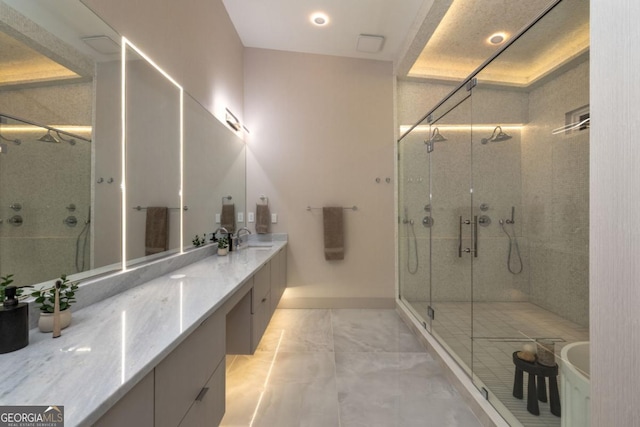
(201,394)
(264,299)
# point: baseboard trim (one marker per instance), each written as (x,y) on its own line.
(337,303)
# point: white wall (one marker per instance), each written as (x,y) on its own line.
(321,132)
(615,203)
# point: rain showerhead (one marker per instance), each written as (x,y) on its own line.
(436,137)
(497,136)
(49,138)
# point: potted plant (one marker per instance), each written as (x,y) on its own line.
(223,246)
(46,299)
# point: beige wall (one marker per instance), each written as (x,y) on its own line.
(615,203)
(321,133)
(193,40)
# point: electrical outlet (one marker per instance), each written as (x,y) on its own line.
(251,218)
(274,218)
(240,216)
(217,218)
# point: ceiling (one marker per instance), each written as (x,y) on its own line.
(434,39)
(442,40)
(21,64)
(285,25)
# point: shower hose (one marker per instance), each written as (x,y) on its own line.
(409,223)
(81,252)
(513,244)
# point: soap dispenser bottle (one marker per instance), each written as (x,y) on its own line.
(14,322)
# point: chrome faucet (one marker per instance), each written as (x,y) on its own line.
(221,229)
(237,236)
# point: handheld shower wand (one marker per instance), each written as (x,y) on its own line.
(513,242)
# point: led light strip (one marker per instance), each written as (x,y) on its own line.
(125,43)
(482,127)
(266,381)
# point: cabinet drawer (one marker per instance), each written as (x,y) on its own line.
(209,409)
(261,285)
(182,374)
(260,320)
(134,409)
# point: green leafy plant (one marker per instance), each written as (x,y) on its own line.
(46,297)
(197,241)
(223,243)
(6,281)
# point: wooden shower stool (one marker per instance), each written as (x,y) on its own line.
(537,389)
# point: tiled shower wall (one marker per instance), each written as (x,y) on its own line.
(545,177)
(44,178)
(555,180)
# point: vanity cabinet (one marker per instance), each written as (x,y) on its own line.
(261,304)
(186,378)
(185,389)
(248,319)
(278,277)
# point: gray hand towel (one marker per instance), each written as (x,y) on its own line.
(263,219)
(156,237)
(228,217)
(332,218)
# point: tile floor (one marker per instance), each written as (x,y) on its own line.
(343,368)
(499,329)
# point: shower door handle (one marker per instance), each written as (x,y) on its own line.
(475,236)
(460,239)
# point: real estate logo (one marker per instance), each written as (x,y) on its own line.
(31,416)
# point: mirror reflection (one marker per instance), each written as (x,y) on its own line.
(214,167)
(60,80)
(153,136)
(46,126)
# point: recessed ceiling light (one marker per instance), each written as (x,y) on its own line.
(497,38)
(320,19)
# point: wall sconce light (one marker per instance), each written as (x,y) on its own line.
(232,120)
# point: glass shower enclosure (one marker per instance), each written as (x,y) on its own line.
(493,210)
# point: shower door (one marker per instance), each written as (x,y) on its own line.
(452,226)
(413,234)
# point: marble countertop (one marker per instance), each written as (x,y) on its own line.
(114,343)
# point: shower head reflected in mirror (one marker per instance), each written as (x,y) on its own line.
(436,136)
(497,136)
(15,141)
(49,138)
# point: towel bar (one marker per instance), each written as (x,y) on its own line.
(352,208)
(139,208)
(264,199)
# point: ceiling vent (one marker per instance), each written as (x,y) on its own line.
(102,44)
(369,43)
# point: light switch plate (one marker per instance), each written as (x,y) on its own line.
(251,218)
(217,218)
(274,218)
(240,216)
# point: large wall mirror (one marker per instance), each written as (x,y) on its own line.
(61,149)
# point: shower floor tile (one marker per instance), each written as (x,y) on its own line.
(500,328)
